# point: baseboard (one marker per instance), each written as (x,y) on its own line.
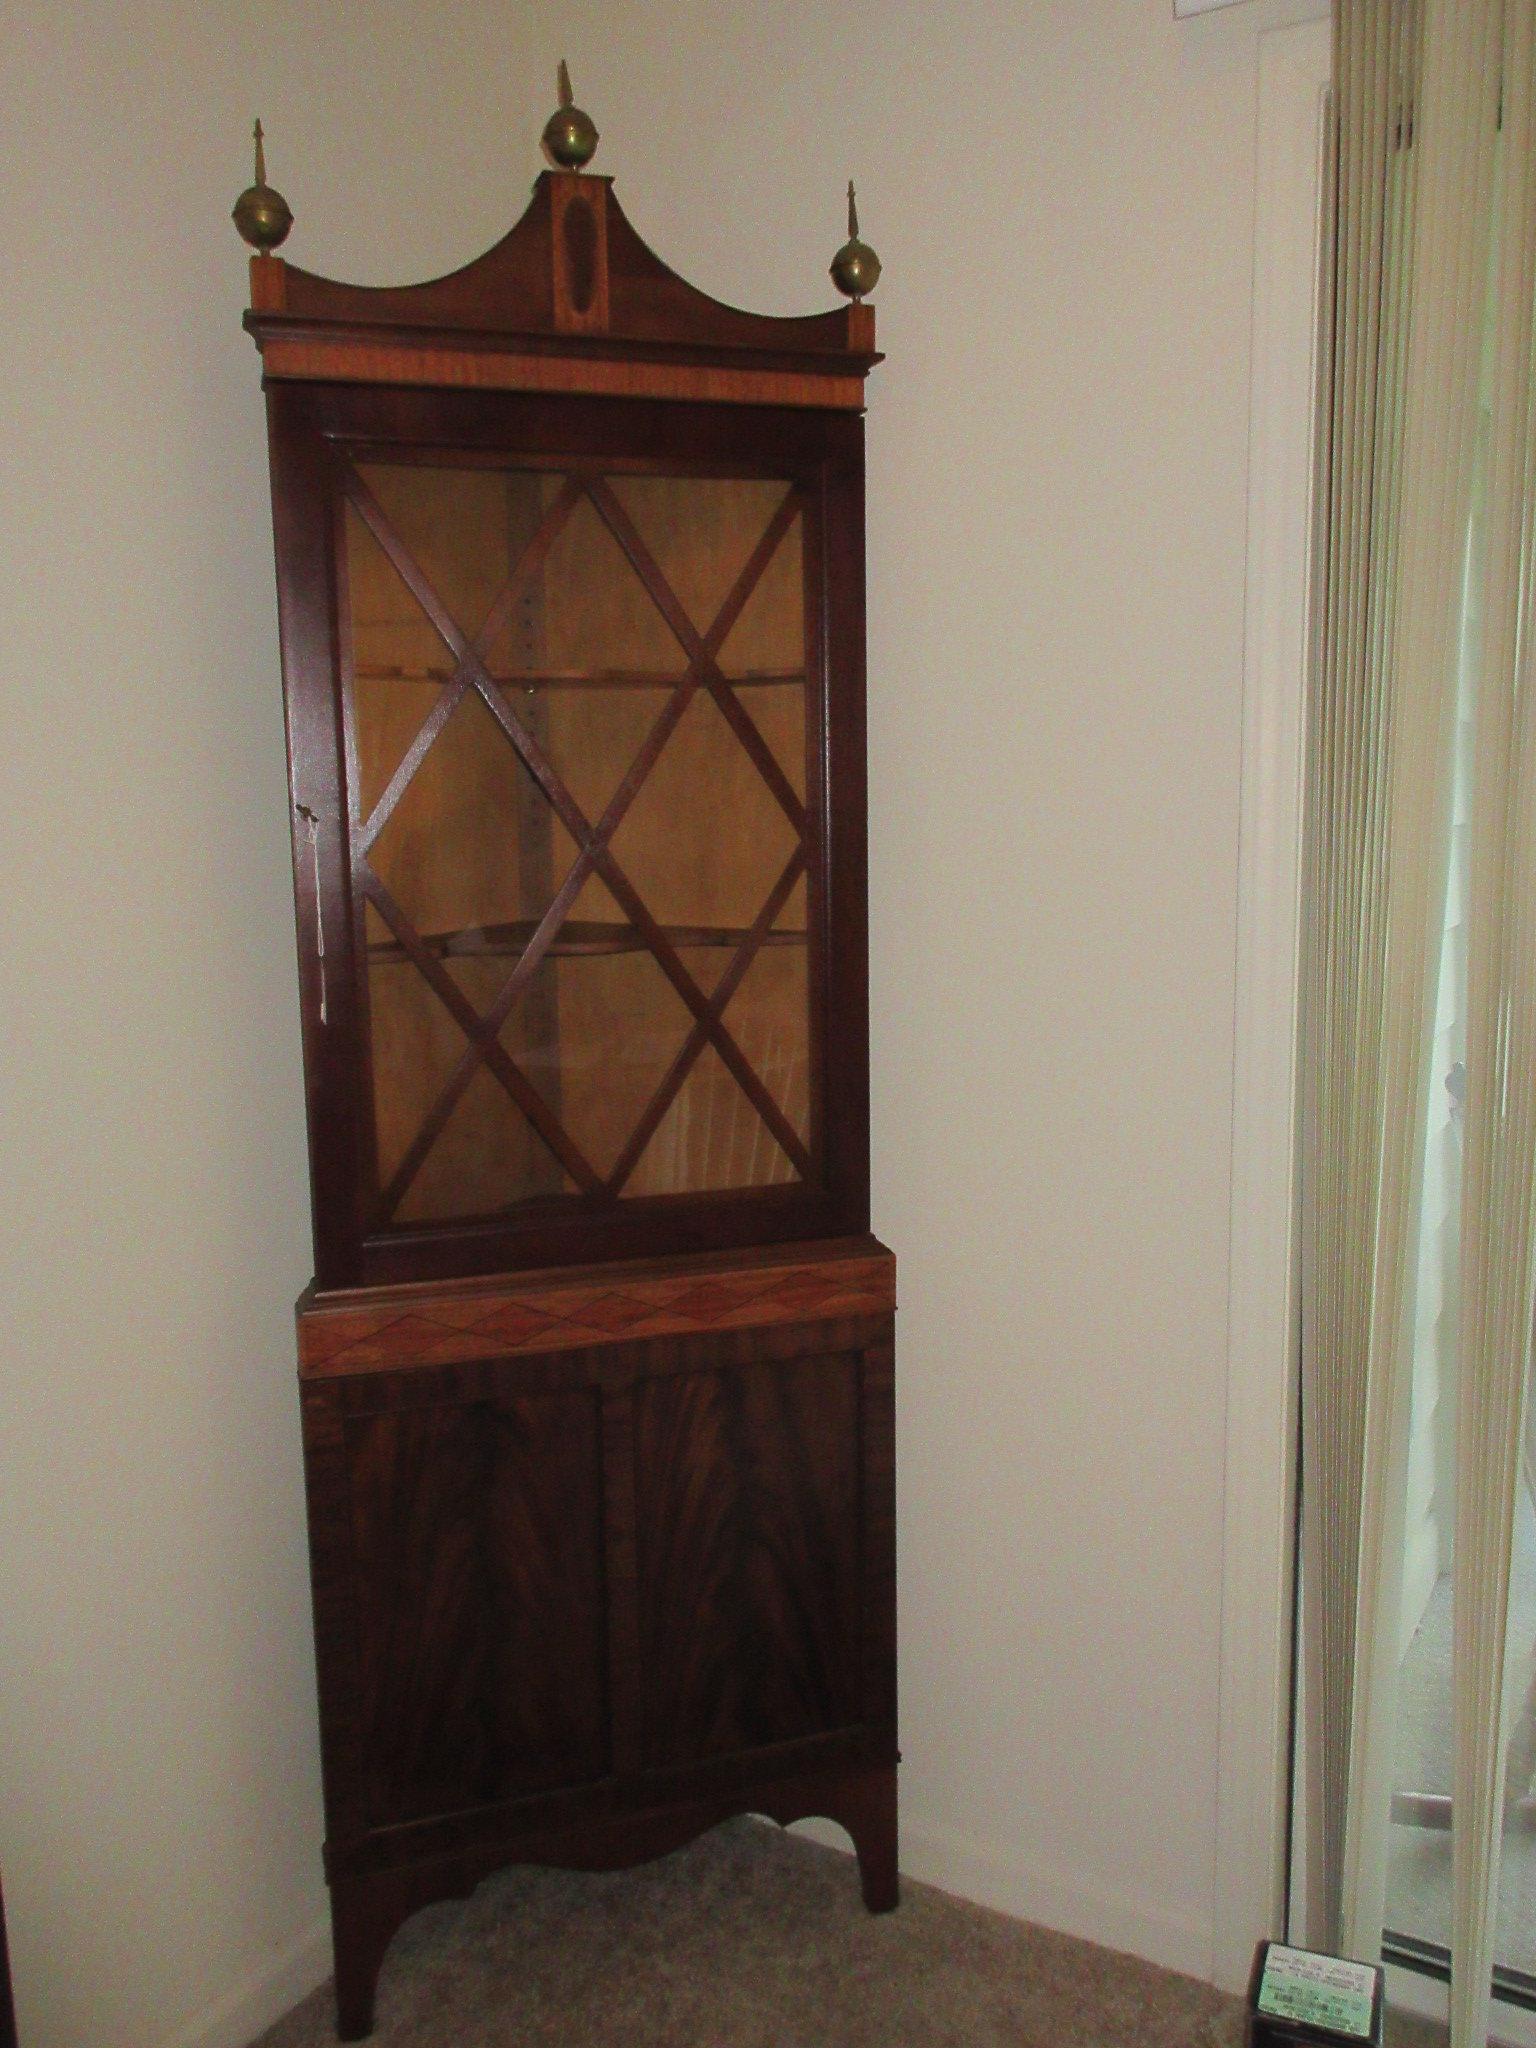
(972,1870)
(987,1877)
(240,2015)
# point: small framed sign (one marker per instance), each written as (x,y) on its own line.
(1300,1999)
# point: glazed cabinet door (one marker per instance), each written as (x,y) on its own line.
(582,864)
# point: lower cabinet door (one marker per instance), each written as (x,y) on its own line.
(477,1541)
(747,1492)
(538,1573)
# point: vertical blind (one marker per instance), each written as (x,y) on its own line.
(1499,1202)
(1434,231)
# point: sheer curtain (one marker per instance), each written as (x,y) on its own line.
(1434,180)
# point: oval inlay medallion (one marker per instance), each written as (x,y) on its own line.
(580,231)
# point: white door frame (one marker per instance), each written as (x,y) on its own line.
(1253,1768)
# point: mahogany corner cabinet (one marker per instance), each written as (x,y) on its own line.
(596,1368)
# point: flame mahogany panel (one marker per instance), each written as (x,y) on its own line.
(749,1594)
(477,1540)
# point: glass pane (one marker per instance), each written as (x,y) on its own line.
(598,618)
(711,1137)
(399,661)
(457,829)
(486,1144)
(462,528)
(705,839)
(778,712)
(472,841)
(595,1033)
(769,637)
(766,1017)
(1419,1899)
(485,1147)
(701,532)
(593,736)
(1419,1844)
(1419,1849)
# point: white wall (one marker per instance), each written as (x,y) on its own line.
(1062,192)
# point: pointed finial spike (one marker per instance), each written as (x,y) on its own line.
(262,215)
(570,136)
(855,267)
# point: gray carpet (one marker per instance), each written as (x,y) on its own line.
(751,1938)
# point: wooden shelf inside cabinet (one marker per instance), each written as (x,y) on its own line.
(596,1372)
(574,679)
(579,939)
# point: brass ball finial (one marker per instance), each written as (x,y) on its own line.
(570,136)
(262,215)
(855,267)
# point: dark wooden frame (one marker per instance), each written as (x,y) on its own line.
(821,454)
(569,343)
